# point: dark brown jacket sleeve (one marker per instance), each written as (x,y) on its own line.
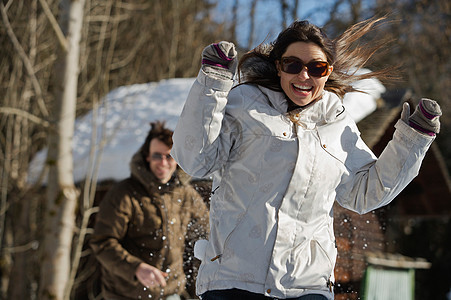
(111,226)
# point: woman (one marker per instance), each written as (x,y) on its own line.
(281,149)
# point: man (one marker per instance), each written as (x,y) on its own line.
(139,235)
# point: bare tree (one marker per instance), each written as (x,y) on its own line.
(253,7)
(288,11)
(22,104)
(234,21)
(283,12)
(61,192)
(294,10)
(121,43)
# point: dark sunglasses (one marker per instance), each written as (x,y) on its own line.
(158,156)
(293,65)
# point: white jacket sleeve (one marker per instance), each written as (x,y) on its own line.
(380,181)
(199,146)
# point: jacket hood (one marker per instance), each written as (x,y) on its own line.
(140,170)
(258,66)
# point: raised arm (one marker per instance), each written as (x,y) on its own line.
(199,145)
(381,180)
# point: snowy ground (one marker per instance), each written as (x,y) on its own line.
(118,127)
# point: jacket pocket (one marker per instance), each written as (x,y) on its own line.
(338,143)
(311,267)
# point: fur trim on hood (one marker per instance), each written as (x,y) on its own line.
(258,65)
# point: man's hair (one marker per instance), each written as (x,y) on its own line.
(157,131)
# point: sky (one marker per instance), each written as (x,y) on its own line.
(268,16)
(118,127)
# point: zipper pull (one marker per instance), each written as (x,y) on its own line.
(216,257)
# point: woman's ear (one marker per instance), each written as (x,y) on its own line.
(278,67)
(331,68)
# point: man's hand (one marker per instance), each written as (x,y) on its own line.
(150,276)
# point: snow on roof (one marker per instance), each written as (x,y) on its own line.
(118,127)
(122,123)
(359,105)
(395,260)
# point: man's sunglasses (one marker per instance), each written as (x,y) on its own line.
(158,156)
(293,65)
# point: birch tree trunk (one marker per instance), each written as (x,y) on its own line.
(61,192)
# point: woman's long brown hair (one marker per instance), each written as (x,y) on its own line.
(347,53)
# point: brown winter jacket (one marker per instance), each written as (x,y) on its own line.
(141,220)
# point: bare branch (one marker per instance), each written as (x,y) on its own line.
(59,33)
(25,114)
(33,245)
(26,61)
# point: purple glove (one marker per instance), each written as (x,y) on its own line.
(219,60)
(425,118)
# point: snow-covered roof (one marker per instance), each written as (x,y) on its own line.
(118,127)
(122,123)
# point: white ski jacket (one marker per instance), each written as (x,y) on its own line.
(274,183)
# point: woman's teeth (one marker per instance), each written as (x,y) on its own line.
(303,87)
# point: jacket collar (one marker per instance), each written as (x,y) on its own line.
(275,99)
(325,110)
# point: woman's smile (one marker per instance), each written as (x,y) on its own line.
(302,88)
